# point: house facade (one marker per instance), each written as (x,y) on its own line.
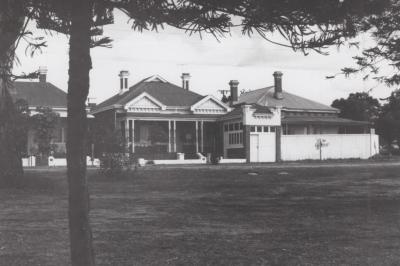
(159,121)
(38,94)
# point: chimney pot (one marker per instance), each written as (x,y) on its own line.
(234,90)
(42,74)
(123,80)
(185,80)
(278,85)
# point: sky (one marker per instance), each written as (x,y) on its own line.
(211,63)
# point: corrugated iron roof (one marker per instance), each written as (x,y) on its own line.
(265,97)
(165,92)
(39,94)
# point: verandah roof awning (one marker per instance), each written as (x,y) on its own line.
(337,121)
(171,116)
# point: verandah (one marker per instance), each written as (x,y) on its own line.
(165,138)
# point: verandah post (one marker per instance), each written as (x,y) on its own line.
(169,136)
(202,136)
(174,135)
(197,136)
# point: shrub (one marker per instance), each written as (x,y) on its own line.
(115,165)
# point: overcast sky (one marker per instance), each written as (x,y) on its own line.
(251,60)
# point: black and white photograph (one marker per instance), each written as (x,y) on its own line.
(199,132)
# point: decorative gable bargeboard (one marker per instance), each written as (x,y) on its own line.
(209,105)
(145,103)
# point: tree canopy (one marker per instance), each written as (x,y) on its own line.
(304,24)
(358,106)
(388,124)
(384,53)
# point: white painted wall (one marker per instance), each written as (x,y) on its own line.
(249,118)
(63,161)
(340,146)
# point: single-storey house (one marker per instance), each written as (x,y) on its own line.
(41,93)
(160,120)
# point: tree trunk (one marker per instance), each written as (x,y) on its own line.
(78,89)
(11,24)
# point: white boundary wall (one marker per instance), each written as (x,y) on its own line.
(180,160)
(63,161)
(339,146)
(29,162)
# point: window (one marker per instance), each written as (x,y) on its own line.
(235,138)
(230,127)
(240,125)
(259,128)
(236,126)
(226,127)
(253,129)
(272,129)
(266,129)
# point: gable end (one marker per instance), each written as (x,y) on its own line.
(209,105)
(144,103)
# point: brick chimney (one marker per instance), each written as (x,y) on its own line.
(185,80)
(123,81)
(42,74)
(233,84)
(278,85)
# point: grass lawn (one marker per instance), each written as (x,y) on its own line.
(297,216)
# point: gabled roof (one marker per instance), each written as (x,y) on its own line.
(167,93)
(39,94)
(265,97)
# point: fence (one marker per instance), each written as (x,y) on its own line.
(329,146)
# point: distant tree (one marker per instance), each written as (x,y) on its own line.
(388,124)
(358,106)
(43,124)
